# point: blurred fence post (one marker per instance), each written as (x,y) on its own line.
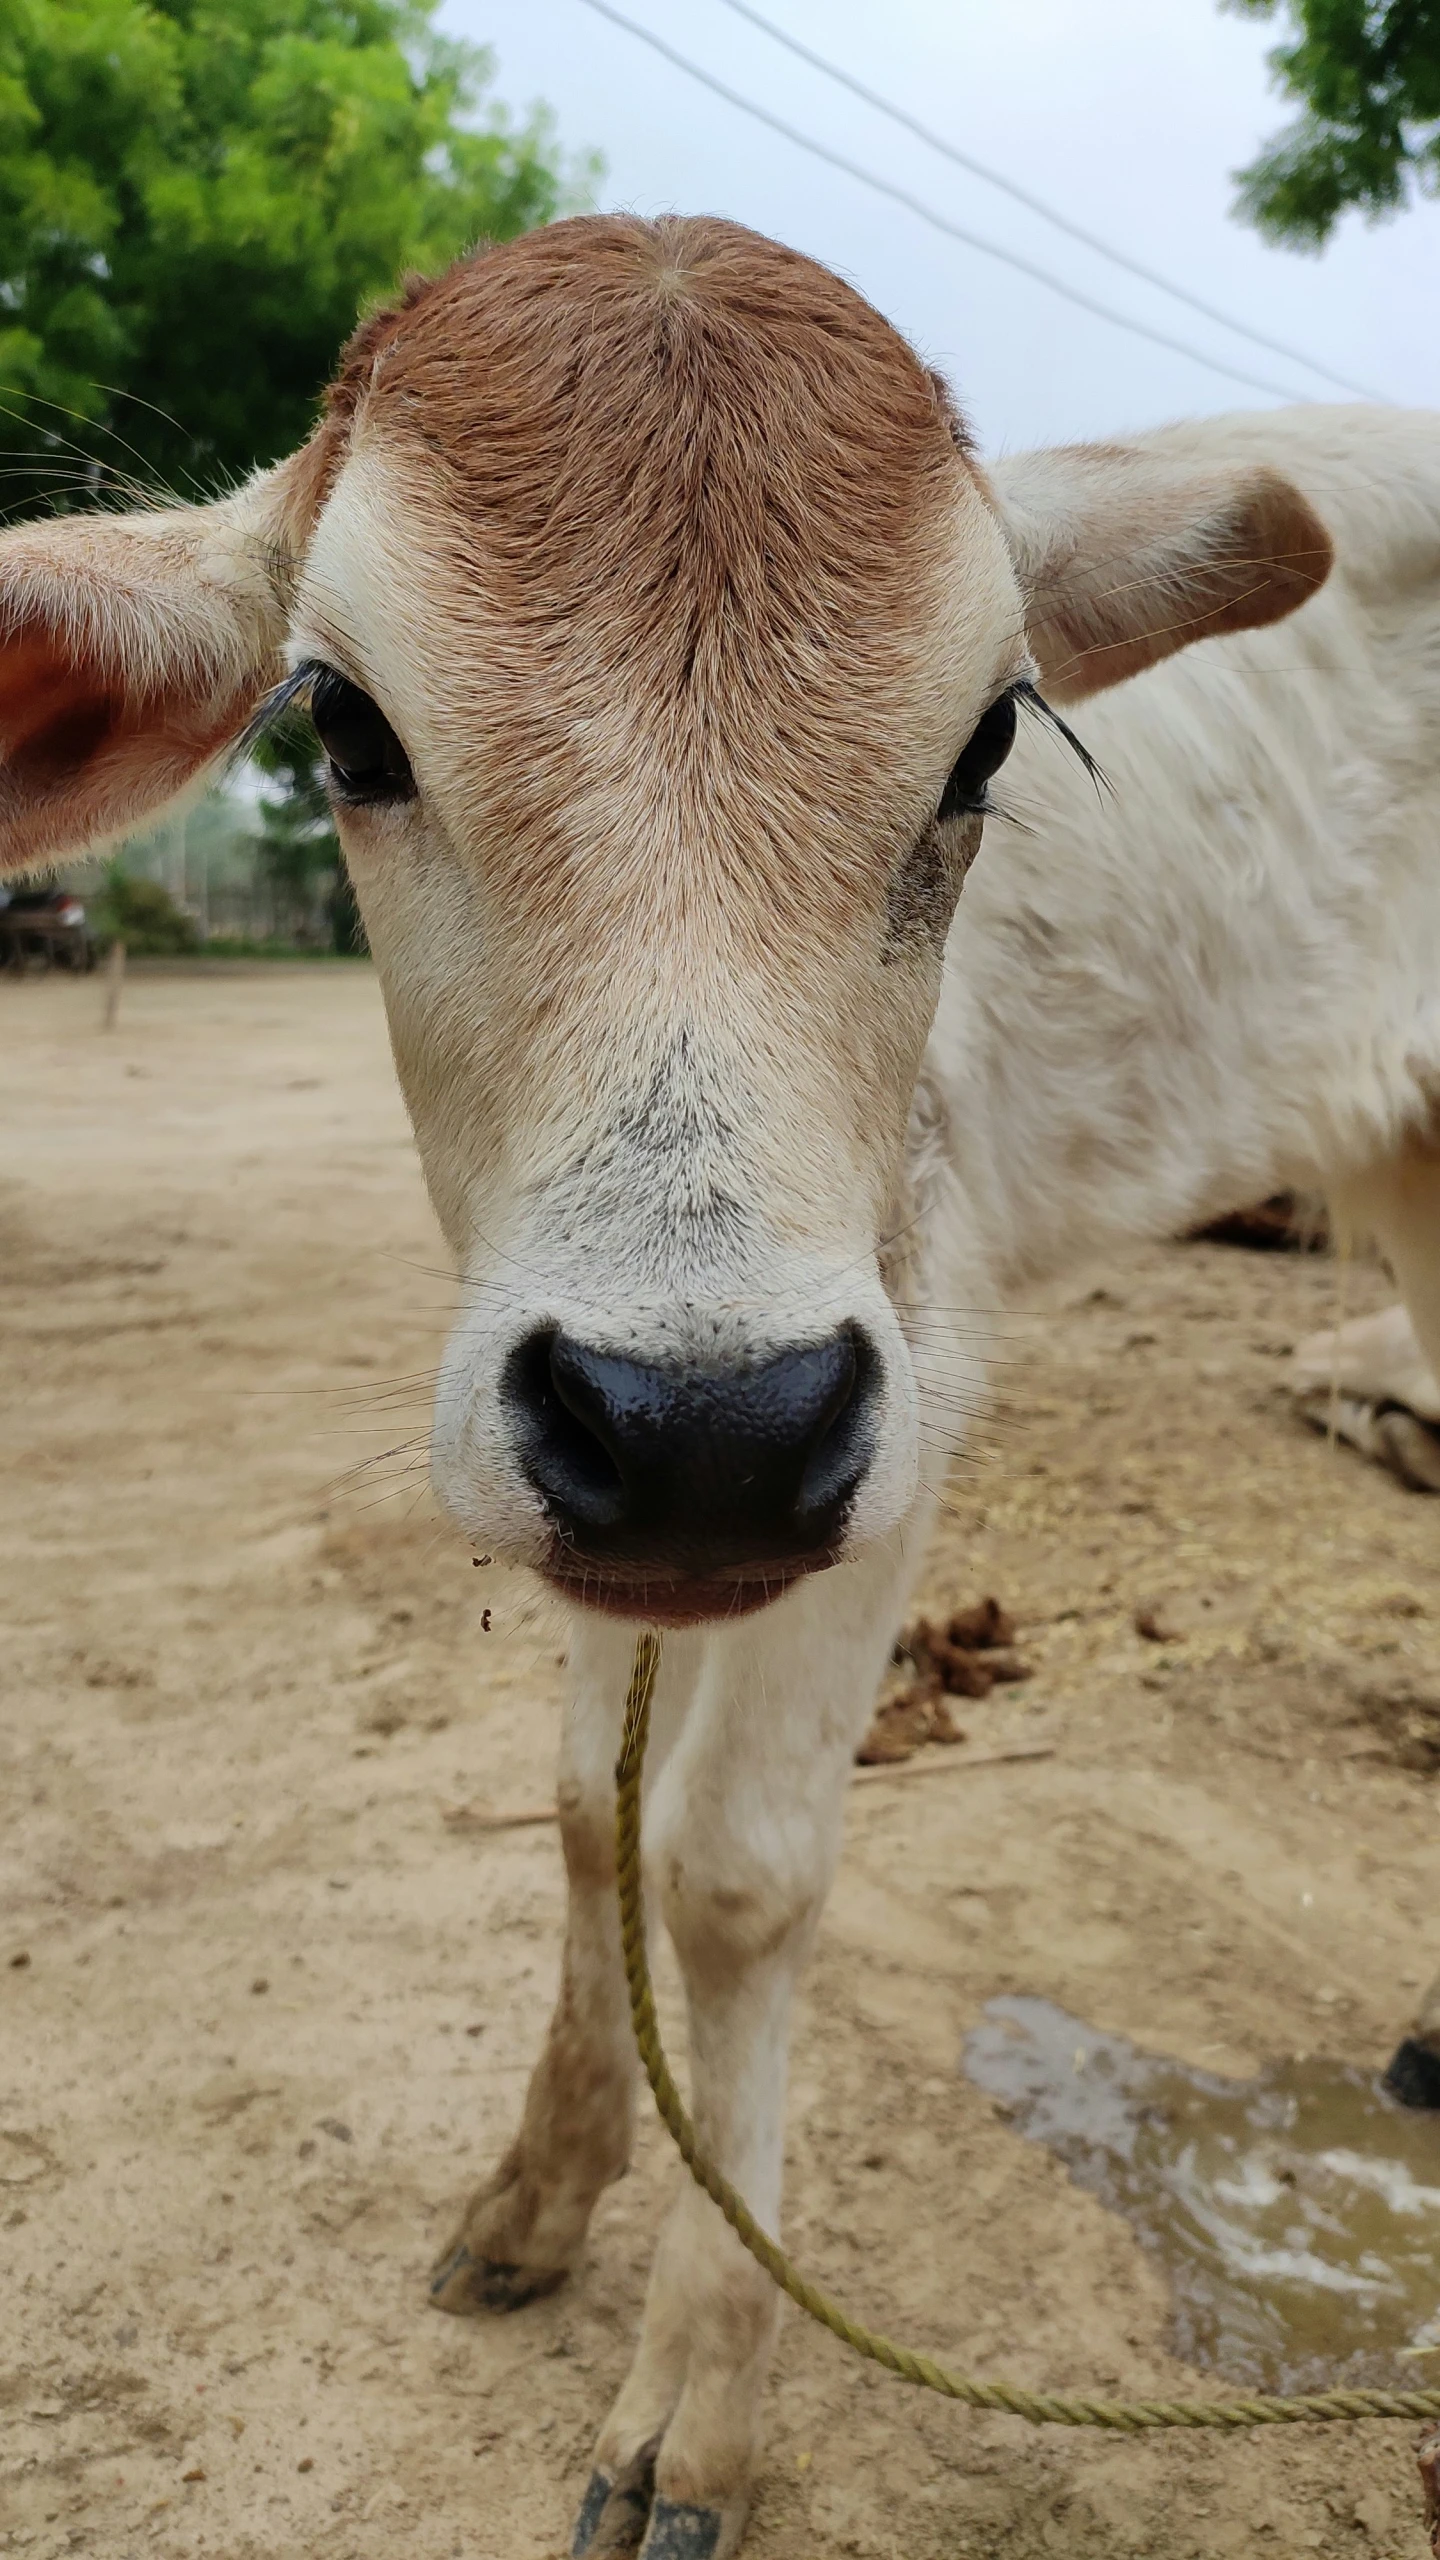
(114,981)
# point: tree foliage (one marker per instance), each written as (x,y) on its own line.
(141,914)
(196,198)
(1367,75)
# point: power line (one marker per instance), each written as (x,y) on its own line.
(1035,204)
(926,213)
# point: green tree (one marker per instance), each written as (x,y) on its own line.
(196,198)
(1367,75)
(140,914)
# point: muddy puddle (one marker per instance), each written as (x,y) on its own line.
(1296,2215)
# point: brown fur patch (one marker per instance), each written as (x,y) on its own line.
(360,356)
(680,496)
(678,431)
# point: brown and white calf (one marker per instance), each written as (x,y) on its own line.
(664,634)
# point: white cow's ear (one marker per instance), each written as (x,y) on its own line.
(1125,555)
(133,650)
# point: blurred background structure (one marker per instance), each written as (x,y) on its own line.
(1087,219)
(197,199)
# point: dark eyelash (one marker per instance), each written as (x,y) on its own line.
(1033,700)
(1002,817)
(282,697)
(383,776)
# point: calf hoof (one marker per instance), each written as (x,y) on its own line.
(463,2283)
(1412,1448)
(614,2512)
(677,2531)
(512,2246)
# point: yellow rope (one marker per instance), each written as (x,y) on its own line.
(1043,2408)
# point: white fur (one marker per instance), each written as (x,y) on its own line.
(1224,974)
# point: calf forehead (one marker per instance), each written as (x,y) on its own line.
(674,417)
(659,484)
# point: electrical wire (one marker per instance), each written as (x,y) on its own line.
(927,214)
(1036,204)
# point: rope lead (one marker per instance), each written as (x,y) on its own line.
(1042,2408)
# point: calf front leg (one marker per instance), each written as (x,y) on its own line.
(523,2229)
(741,1832)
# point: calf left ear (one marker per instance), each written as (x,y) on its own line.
(1125,555)
(133,650)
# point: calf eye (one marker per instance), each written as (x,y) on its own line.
(367,762)
(989,745)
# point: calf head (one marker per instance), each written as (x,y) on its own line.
(663,636)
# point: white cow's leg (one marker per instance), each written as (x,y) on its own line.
(742,1827)
(1401,1204)
(523,2228)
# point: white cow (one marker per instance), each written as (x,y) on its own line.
(665,637)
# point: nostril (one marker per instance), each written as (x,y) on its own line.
(840,1451)
(558,1423)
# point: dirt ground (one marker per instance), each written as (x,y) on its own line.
(265,2013)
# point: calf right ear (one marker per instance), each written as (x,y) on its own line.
(133,651)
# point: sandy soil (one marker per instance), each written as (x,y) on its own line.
(266,2013)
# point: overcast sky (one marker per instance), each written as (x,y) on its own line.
(1126,115)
